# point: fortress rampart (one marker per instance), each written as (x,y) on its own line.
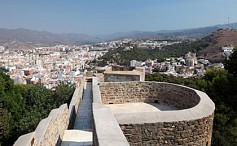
(123,92)
(106,128)
(190,124)
(50,130)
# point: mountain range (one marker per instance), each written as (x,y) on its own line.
(25,39)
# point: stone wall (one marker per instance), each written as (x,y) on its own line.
(120,77)
(195,132)
(49,131)
(191,124)
(76,98)
(170,94)
(138,74)
(106,130)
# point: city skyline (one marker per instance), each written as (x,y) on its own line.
(105,17)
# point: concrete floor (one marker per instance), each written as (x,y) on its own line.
(139,107)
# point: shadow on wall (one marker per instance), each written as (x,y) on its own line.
(73,118)
(59,141)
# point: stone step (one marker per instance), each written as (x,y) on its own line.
(77,138)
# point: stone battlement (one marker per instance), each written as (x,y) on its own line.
(190,124)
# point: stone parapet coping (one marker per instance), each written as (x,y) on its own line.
(45,123)
(25,140)
(36,137)
(107,131)
(96,91)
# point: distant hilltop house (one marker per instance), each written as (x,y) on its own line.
(135,63)
(227,51)
(191,59)
(2,48)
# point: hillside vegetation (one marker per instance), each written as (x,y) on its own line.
(218,39)
(208,47)
(123,57)
(23,106)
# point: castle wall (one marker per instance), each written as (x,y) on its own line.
(120,78)
(194,132)
(106,130)
(50,130)
(191,124)
(74,104)
(138,74)
(170,94)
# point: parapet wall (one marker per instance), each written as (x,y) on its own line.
(123,92)
(191,124)
(109,77)
(74,104)
(50,130)
(106,130)
(138,74)
(195,132)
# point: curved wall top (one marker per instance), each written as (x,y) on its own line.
(191,104)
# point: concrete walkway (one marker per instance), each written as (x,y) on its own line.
(81,135)
(84,113)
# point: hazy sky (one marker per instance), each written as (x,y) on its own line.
(109,16)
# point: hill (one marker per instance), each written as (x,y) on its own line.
(209,47)
(218,39)
(192,33)
(25,39)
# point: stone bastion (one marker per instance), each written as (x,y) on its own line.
(188,121)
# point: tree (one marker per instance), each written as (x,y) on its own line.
(23,106)
(231,63)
